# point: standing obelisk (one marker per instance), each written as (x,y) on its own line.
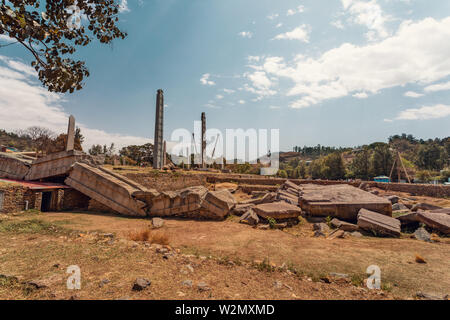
(203,140)
(158,153)
(70,143)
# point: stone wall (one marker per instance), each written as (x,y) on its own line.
(15,197)
(430,190)
(168,181)
(73,199)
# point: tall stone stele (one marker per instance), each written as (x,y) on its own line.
(70,145)
(203,140)
(158,145)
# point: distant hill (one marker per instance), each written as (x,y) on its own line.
(11,139)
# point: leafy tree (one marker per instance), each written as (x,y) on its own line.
(333,167)
(47,30)
(315,169)
(382,160)
(282,174)
(139,154)
(360,164)
(431,157)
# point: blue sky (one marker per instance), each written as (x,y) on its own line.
(334,72)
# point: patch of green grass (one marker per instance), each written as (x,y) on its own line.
(358,279)
(31,226)
(272,222)
(264,266)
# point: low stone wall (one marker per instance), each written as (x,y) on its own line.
(430,190)
(16,196)
(168,181)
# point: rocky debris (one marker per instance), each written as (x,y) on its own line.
(399,207)
(103,282)
(157,223)
(264,227)
(277,210)
(378,223)
(187,283)
(393,199)
(350,227)
(217,204)
(286,196)
(337,234)
(257,194)
(321,227)
(202,287)
(266,198)
(242,208)
(318,234)
(424,206)
(278,285)
(427,296)
(422,234)
(282,225)
(250,218)
(140,284)
(289,192)
(436,221)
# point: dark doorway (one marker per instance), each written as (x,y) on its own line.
(46,201)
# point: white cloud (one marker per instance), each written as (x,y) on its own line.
(273,16)
(4,37)
(337,24)
(246,34)
(229,91)
(412,94)
(369,14)
(409,56)
(205,80)
(279,25)
(123,6)
(299,9)
(300,33)
(253,58)
(219,97)
(241,101)
(424,113)
(361,95)
(438,87)
(274,107)
(25,103)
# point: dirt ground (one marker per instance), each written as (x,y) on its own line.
(234,260)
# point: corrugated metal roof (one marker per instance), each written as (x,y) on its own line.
(37,185)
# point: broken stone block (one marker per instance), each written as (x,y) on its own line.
(337,234)
(318,234)
(424,206)
(350,227)
(242,208)
(250,218)
(277,210)
(436,221)
(290,185)
(443,210)
(287,197)
(217,204)
(408,218)
(378,223)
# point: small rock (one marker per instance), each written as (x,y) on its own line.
(399,207)
(190,268)
(278,285)
(56,265)
(393,199)
(157,223)
(187,283)
(107,235)
(250,218)
(201,286)
(264,227)
(424,206)
(283,225)
(356,234)
(419,259)
(103,282)
(339,275)
(180,294)
(318,234)
(322,227)
(37,284)
(422,234)
(428,296)
(141,284)
(375,192)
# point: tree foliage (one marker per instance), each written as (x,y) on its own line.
(44,28)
